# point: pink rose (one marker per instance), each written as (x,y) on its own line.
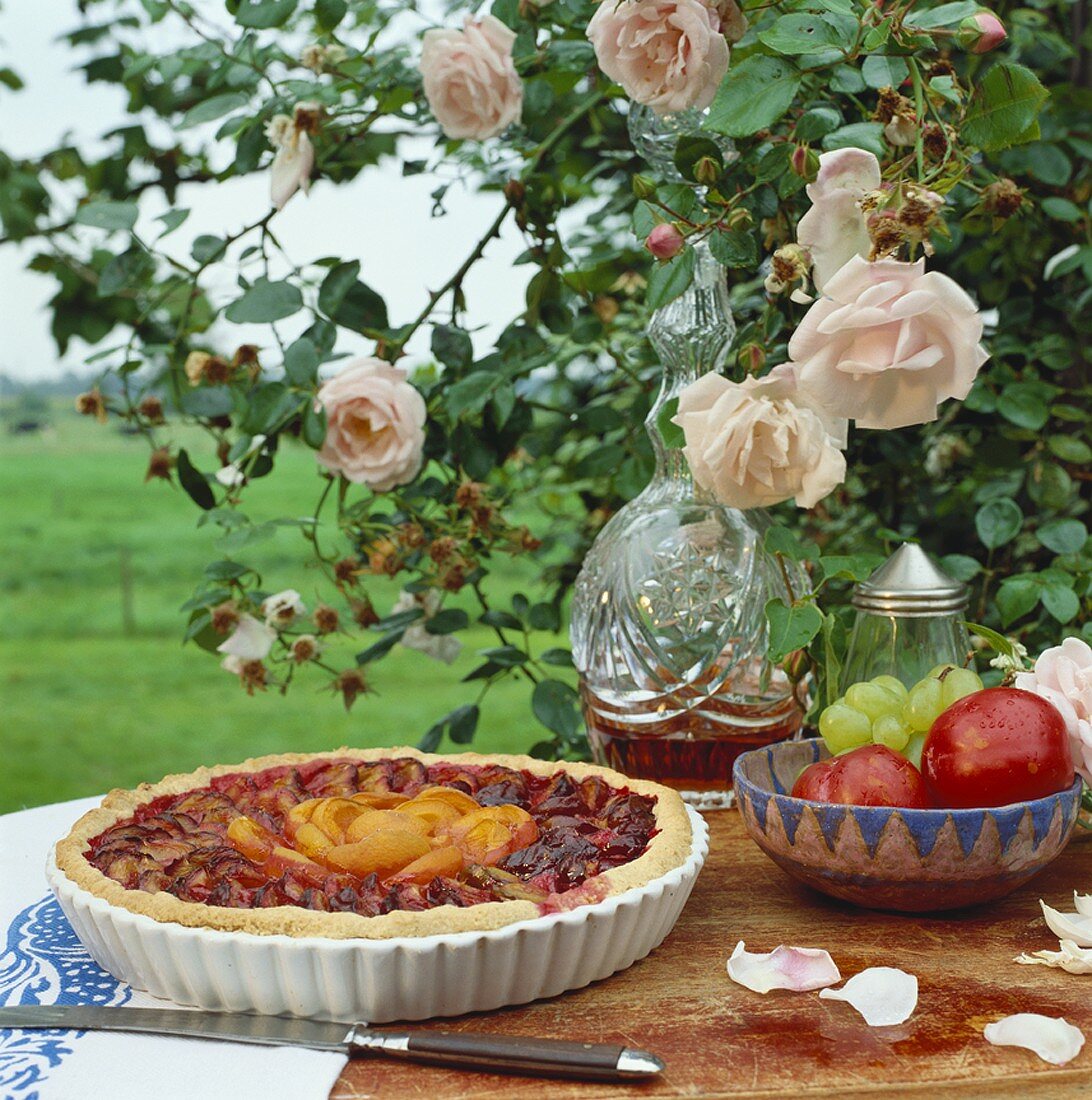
(834,228)
(1063,676)
(888,343)
(470,81)
(667,54)
(665,241)
(757,442)
(374,425)
(981,32)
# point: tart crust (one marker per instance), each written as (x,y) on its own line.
(667,849)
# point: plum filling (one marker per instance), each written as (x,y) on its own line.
(345,837)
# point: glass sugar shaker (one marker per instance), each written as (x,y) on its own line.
(909,620)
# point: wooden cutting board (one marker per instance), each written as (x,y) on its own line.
(720,1040)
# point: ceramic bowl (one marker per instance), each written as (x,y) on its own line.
(883,857)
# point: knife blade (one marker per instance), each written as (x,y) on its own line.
(503,1053)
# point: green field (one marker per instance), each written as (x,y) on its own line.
(86,705)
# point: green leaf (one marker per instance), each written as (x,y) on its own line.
(470,394)
(562,658)
(998,522)
(447,621)
(945,15)
(328,13)
(193,481)
(262,14)
(1016,597)
(689,150)
(172,219)
(338,282)
(452,346)
(505,620)
(264,302)
(107,215)
(1003,108)
(671,279)
(301,362)
(850,567)
(225,570)
(506,656)
(800,35)
(1061,602)
(791,628)
(556,706)
(1063,536)
(783,541)
(430,739)
(1023,404)
(362,310)
(858,135)
(879,71)
(130,267)
(1049,485)
(314,424)
(1061,210)
(961,566)
(670,432)
(1070,449)
(269,408)
(380,648)
(816,123)
(207,248)
(462,722)
(753,96)
(734,247)
(210,109)
(545,616)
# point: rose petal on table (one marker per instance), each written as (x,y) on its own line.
(883,995)
(1068,926)
(796,968)
(1083,904)
(1051,1038)
(1071,958)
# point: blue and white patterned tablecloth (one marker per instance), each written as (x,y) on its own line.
(42,962)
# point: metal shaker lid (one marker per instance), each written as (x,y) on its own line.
(910,583)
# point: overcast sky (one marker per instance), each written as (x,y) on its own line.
(382,219)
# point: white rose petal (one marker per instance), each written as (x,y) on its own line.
(1051,1038)
(669,55)
(1068,926)
(758,442)
(251,640)
(796,968)
(375,425)
(283,608)
(292,168)
(1071,958)
(883,995)
(1083,904)
(470,80)
(887,343)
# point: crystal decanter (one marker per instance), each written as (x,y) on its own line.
(668,624)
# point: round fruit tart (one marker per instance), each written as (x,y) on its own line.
(375,844)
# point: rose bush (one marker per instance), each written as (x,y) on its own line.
(456,452)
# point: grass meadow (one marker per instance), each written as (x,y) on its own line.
(89,701)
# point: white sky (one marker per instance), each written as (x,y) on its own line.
(381,219)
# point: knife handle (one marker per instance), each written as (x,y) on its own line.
(511,1054)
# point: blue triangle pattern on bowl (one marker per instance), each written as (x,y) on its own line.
(830,819)
(871,821)
(1008,821)
(1042,813)
(924,829)
(760,801)
(791,810)
(968,827)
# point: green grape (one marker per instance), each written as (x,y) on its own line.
(912,752)
(888,730)
(892,683)
(873,700)
(924,705)
(843,727)
(935,671)
(958,683)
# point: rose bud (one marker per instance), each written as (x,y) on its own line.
(981,32)
(665,241)
(804,163)
(751,358)
(706,171)
(643,187)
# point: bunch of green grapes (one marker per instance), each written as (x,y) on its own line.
(882,711)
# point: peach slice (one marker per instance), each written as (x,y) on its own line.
(384,821)
(456,798)
(255,841)
(311,840)
(440,861)
(432,811)
(334,815)
(285,859)
(378,800)
(382,853)
(493,832)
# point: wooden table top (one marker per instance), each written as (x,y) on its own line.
(721,1040)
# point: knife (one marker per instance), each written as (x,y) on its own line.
(501,1053)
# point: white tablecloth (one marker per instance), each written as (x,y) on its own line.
(42,962)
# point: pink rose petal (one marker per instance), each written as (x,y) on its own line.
(1051,1038)
(796,968)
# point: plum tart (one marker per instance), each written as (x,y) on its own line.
(375,843)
